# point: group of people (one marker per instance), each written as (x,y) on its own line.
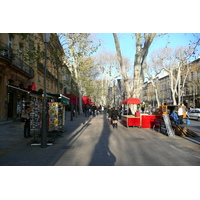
(92,110)
(177,117)
(113,116)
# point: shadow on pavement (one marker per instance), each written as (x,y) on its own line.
(102,156)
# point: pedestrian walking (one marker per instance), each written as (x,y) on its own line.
(25,118)
(87,110)
(114,117)
(94,110)
(109,114)
(180,114)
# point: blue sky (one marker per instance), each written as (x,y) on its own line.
(128,46)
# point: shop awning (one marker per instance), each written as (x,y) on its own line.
(64,99)
(18,88)
(74,99)
(87,100)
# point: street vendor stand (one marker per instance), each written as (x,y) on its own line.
(141,120)
(56,112)
(131,120)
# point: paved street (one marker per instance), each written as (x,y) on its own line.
(93,142)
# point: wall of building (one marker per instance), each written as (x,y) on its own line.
(18,71)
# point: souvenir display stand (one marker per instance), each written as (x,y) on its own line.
(35,116)
(55,116)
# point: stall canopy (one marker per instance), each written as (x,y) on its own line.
(18,88)
(131,101)
(64,99)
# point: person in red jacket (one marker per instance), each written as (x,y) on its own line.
(137,113)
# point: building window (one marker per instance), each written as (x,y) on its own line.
(192,76)
(9,41)
(198,74)
(20,54)
(198,89)
(39,78)
(47,83)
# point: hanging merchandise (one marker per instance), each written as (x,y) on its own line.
(35,115)
(60,116)
(55,116)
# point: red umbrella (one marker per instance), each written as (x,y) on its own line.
(131,101)
(124,101)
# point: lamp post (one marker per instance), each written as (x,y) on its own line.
(72,108)
(46,38)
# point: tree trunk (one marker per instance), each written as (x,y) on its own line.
(142,46)
(124,73)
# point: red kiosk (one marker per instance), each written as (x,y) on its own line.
(131,120)
(139,120)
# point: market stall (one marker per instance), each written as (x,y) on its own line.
(56,112)
(138,119)
(147,121)
(131,120)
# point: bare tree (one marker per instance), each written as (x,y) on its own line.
(122,65)
(109,71)
(143,42)
(152,74)
(76,47)
(173,61)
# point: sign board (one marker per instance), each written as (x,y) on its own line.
(170,130)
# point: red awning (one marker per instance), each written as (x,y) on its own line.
(124,101)
(73,99)
(87,100)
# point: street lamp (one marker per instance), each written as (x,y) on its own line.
(46,39)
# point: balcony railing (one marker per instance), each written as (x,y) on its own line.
(16,62)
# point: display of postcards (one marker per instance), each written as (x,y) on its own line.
(35,116)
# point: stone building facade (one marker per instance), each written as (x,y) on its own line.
(189,94)
(22,69)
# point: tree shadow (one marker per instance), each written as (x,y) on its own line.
(102,155)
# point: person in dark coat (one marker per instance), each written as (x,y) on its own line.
(26,116)
(114,117)
(109,114)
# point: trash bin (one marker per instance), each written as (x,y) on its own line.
(187,121)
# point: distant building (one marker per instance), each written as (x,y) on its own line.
(191,90)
